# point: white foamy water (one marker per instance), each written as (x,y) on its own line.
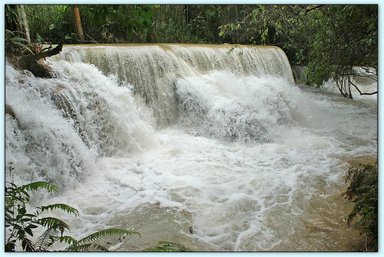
(246,159)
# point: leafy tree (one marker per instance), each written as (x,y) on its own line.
(172,23)
(287,26)
(346,36)
(331,39)
(51,23)
(118,23)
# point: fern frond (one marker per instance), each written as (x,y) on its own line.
(9,32)
(60,206)
(106,233)
(54,223)
(68,240)
(19,39)
(34,186)
(87,247)
(27,245)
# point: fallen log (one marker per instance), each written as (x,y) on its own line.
(35,62)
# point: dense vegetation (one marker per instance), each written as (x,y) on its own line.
(330,39)
(363,192)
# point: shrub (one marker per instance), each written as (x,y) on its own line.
(362,191)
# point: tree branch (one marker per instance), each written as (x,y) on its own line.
(32,62)
(361,93)
(49,53)
(307,10)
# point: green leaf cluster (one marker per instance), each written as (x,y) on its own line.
(50,23)
(15,43)
(363,192)
(118,23)
(20,223)
(345,36)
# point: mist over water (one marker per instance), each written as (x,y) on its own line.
(166,137)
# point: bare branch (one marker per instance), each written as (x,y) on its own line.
(49,53)
(357,88)
(307,10)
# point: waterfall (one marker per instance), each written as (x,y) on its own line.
(153,70)
(217,138)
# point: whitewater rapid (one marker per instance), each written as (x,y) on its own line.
(245,160)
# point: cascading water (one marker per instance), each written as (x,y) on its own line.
(213,147)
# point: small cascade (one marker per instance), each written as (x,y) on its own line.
(62,125)
(246,110)
(40,142)
(64,103)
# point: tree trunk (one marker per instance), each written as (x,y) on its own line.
(23,22)
(79,28)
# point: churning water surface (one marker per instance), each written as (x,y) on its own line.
(216,158)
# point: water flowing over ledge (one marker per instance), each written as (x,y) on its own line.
(209,137)
(153,69)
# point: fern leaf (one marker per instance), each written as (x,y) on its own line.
(19,39)
(54,223)
(34,186)
(106,233)
(87,247)
(68,239)
(22,46)
(7,31)
(60,206)
(27,245)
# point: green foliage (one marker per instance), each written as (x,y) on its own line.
(165,246)
(60,206)
(330,39)
(171,25)
(21,223)
(16,44)
(346,36)
(118,23)
(280,25)
(90,242)
(363,192)
(50,23)
(34,186)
